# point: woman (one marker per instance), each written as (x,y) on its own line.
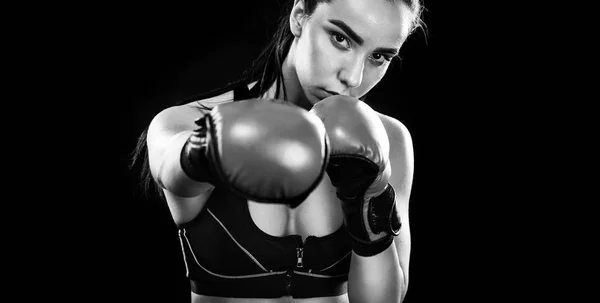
(287,236)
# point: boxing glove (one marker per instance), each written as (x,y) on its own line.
(265,150)
(359,169)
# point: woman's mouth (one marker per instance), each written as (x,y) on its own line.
(323,93)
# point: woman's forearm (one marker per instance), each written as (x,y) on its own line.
(378,278)
(165,141)
(169,173)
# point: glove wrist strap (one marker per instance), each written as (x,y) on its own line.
(381,217)
(193,157)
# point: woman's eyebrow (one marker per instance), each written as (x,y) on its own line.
(385,50)
(346,29)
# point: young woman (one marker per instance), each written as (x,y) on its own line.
(302,203)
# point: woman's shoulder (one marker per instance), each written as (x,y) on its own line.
(401,155)
(397,132)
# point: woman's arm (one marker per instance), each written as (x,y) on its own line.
(244,146)
(168,132)
(384,277)
(378,278)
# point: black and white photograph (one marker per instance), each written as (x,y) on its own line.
(309,151)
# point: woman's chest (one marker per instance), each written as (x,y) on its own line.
(319,215)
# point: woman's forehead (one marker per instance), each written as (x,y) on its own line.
(373,20)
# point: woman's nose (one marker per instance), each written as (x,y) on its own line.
(351,73)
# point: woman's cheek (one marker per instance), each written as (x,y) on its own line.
(324,56)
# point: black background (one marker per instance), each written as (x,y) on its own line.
(449,91)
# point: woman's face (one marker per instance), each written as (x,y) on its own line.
(346,46)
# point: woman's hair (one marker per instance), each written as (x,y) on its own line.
(266,69)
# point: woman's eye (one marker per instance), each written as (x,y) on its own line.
(340,40)
(380,59)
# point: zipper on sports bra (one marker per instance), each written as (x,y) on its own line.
(288,281)
(299,255)
(299,264)
(300,251)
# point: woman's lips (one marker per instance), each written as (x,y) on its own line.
(323,93)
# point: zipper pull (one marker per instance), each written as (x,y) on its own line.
(299,255)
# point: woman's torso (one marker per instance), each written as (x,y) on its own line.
(319,216)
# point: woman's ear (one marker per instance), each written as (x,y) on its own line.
(297,17)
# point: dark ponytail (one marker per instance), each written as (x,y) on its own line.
(267,66)
(146,184)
